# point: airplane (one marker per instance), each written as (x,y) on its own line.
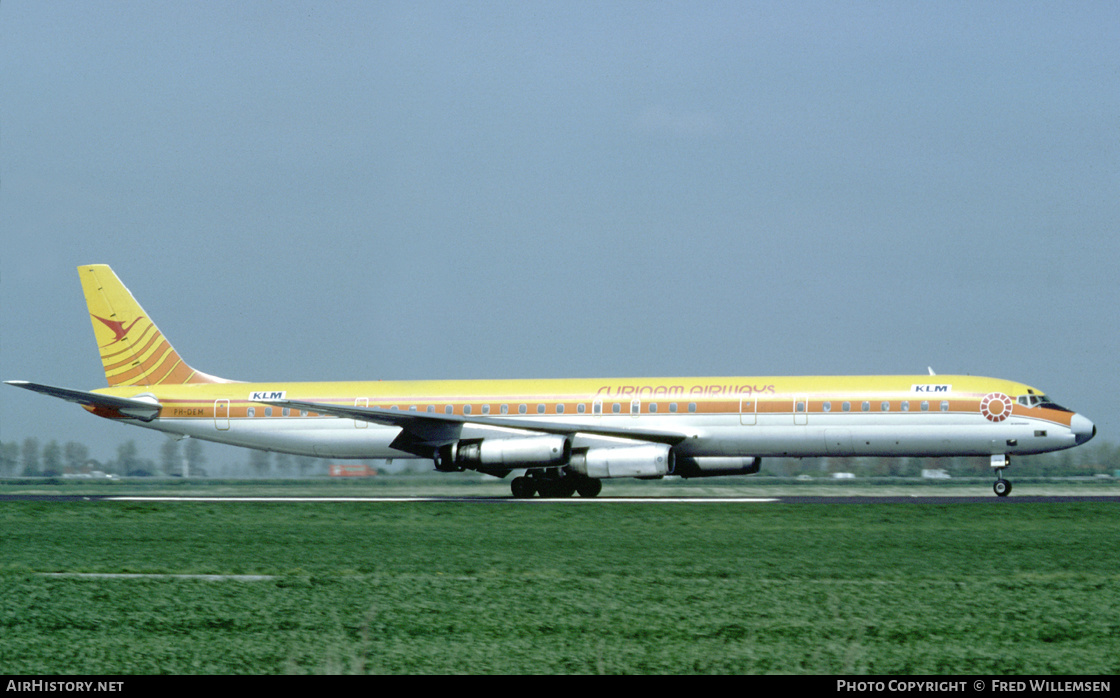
(564,436)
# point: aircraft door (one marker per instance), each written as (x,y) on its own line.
(221,415)
(748,409)
(800,410)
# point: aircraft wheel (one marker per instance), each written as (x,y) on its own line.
(1002,487)
(556,488)
(522,487)
(589,487)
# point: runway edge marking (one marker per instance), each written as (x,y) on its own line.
(622,500)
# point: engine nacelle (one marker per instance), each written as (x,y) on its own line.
(651,460)
(711,466)
(514,453)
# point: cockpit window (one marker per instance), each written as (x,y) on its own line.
(1033,400)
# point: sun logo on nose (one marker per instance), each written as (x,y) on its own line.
(995,407)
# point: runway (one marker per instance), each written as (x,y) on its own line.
(575,501)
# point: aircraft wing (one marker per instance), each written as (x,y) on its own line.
(430,428)
(145,409)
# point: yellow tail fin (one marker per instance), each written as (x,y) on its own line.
(133,350)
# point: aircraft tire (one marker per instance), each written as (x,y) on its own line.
(1002,487)
(522,487)
(556,488)
(566,487)
(589,487)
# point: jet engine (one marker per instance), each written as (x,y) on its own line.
(710,466)
(646,461)
(531,451)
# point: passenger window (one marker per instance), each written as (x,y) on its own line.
(672,407)
(252,412)
(800,406)
(635,406)
(866,406)
(885,406)
(616,408)
(449,409)
(505,409)
(268,412)
(597,408)
(522,409)
(653,407)
(560,408)
(466,409)
(905,406)
(431,408)
(925,405)
(486,409)
(827,407)
(944,405)
(846,406)
(540,409)
(692,407)
(581,408)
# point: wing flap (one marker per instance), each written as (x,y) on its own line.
(420,434)
(426,425)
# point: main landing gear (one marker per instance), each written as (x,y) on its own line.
(553,486)
(1002,487)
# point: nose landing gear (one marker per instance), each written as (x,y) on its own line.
(1002,487)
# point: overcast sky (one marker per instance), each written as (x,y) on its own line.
(335,190)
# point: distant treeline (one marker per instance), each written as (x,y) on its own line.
(1093,459)
(186,457)
(31,458)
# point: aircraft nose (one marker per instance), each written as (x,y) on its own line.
(1082,428)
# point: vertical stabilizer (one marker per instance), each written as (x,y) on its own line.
(133,350)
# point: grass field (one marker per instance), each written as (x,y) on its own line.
(604,588)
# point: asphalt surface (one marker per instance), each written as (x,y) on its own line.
(783,499)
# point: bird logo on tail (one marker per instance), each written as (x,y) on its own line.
(117,327)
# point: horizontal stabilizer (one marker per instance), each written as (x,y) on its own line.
(143,408)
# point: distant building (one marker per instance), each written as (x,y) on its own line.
(351,470)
